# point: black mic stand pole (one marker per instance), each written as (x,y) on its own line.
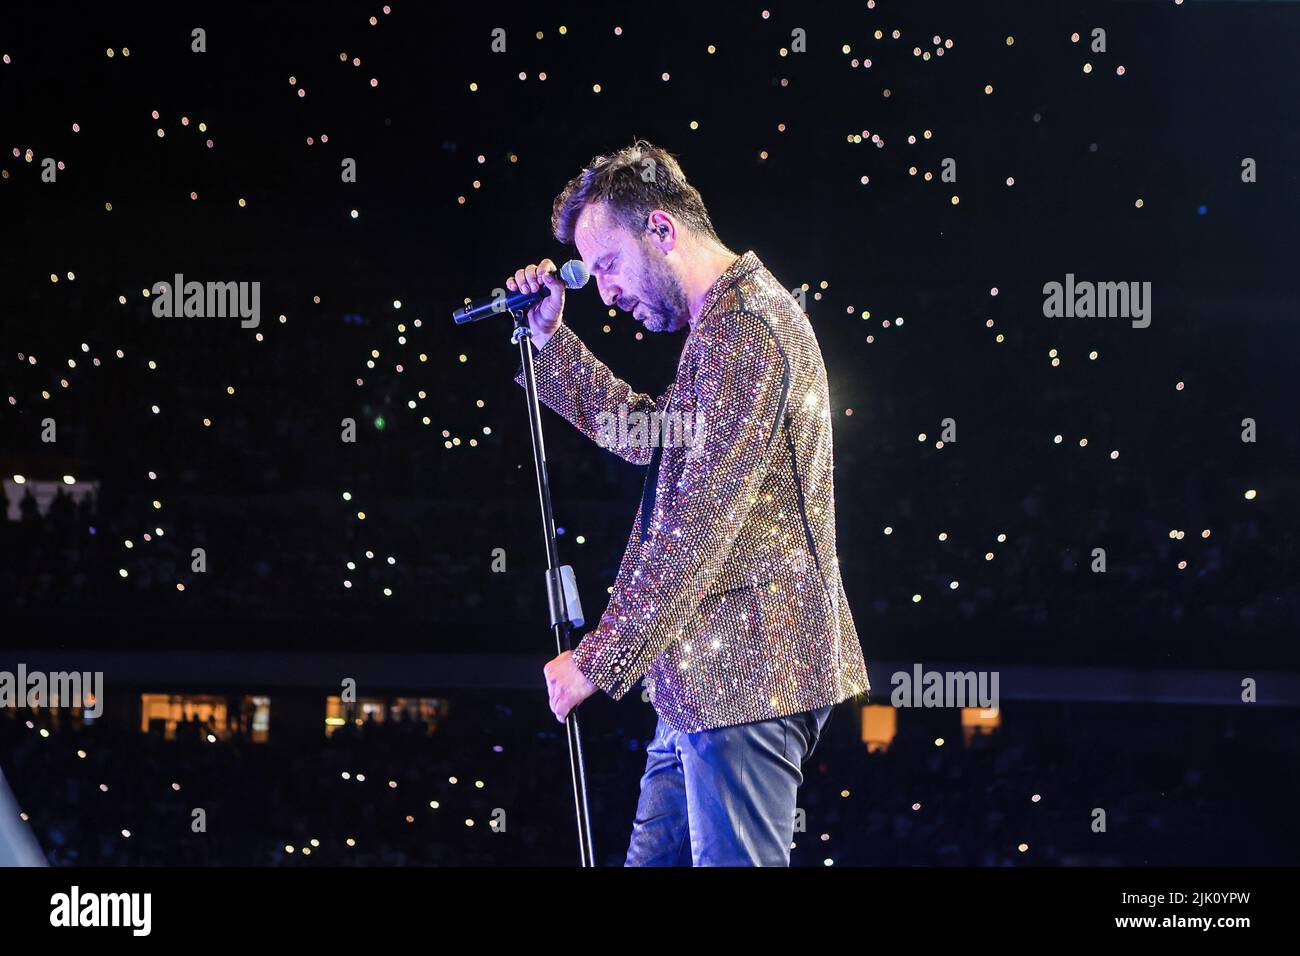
(561,589)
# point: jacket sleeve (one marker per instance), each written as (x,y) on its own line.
(574,383)
(741,389)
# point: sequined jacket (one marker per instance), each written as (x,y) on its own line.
(728,599)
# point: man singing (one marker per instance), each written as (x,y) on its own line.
(728,600)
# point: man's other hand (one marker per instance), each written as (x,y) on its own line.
(567,685)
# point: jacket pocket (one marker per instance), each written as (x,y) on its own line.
(738,606)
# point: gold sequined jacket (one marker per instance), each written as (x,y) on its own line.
(728,599)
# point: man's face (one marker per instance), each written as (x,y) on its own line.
(631,273)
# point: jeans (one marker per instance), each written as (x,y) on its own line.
(723,797)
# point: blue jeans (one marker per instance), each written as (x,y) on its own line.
(723,797)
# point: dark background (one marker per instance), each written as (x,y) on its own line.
(261,488)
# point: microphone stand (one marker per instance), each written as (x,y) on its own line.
(561,588)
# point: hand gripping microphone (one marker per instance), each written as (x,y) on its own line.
(573,274)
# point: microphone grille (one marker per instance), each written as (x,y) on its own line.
(574,274)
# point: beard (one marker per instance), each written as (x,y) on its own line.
(663,299)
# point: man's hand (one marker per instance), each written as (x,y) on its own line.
(545,317)
(567,685)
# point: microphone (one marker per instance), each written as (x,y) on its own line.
(573,274)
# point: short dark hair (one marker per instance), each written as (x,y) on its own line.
(634,182)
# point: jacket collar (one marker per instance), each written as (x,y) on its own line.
(742,266)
